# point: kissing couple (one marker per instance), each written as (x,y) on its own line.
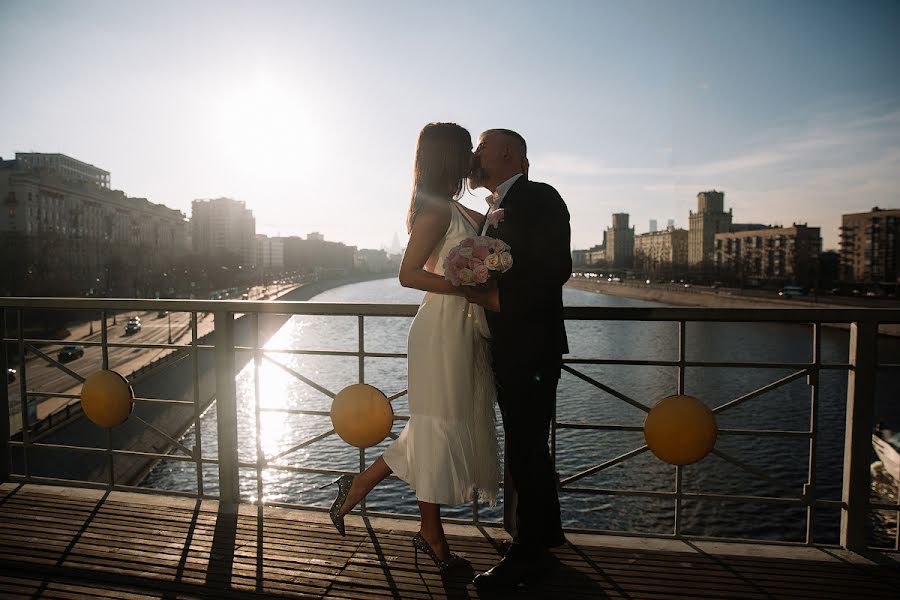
(471,345)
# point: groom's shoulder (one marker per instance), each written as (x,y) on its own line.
(541,189)
(543,194)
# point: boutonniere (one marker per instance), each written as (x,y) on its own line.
(495,217)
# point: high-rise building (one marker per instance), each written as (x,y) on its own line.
(620,242)
(709,220)
(786,254)
(870,246)
(659,249)
(269,252)
(652,225)
(670,223)
(224,230)
(65,231)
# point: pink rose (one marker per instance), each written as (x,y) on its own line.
(467,243)
(481,274)
(483,240)
(459,262)
(492,261)
(481,252)
(466,277)
(466,251)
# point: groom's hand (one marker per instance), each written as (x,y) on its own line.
(488,297)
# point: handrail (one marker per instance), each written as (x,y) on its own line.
(574,313)
(861,366)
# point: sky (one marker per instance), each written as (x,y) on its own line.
(309,111)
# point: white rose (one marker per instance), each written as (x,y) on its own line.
(506,261)
(466,276)
(492,261)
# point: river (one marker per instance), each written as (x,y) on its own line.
(786,408)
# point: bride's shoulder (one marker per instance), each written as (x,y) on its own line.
(433,214)
(435,208)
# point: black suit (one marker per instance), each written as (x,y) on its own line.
(528,341)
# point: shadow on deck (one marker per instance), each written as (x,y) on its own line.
(69,543)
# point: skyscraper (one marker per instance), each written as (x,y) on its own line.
(709,220)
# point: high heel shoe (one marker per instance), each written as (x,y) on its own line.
(343,482)
(420,543)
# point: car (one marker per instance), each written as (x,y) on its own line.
(162,314)
(67,353)
(134,319)
(10,375)
(791,291)
(132,327)
(245,296)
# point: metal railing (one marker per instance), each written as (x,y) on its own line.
(860,368)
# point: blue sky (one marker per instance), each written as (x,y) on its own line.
(309,111)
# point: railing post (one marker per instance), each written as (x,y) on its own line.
(4,406)
(226,409)
(858,435)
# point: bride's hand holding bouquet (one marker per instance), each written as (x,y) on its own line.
(473,264)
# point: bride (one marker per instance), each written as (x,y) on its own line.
(448,450)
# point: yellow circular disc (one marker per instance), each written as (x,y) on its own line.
(680,430)
(106,398)
(361,415)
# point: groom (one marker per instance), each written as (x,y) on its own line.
(524,312)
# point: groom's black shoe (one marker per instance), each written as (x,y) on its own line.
(517,570)
(508,573)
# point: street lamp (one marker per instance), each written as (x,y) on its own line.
(169,315)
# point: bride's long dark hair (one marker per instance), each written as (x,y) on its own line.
(443,157)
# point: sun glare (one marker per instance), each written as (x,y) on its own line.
(266,128)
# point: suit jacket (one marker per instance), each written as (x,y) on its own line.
(529,329)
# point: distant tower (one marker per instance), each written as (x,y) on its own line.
(709,220)
(670,223)
(652,225)
(620,242)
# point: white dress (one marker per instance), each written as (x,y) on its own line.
(448,450)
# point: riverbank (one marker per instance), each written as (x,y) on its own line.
(704,298)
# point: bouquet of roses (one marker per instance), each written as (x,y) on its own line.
(474,260)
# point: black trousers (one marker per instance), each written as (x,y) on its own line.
(527,397)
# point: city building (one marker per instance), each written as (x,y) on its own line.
(373,261)
(652,225)
(620,242)
(64,230)
(269,253)
(223,231)
(661,249)
(316,254)
(592,257)
(709,220)
(773,254)
(870,246)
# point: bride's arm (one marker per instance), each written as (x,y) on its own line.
(428,230)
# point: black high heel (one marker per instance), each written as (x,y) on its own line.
(420,543)
(343,482)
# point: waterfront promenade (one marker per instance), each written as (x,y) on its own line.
(67,543)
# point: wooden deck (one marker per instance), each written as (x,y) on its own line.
(72,543)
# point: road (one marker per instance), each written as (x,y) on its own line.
(47,377)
